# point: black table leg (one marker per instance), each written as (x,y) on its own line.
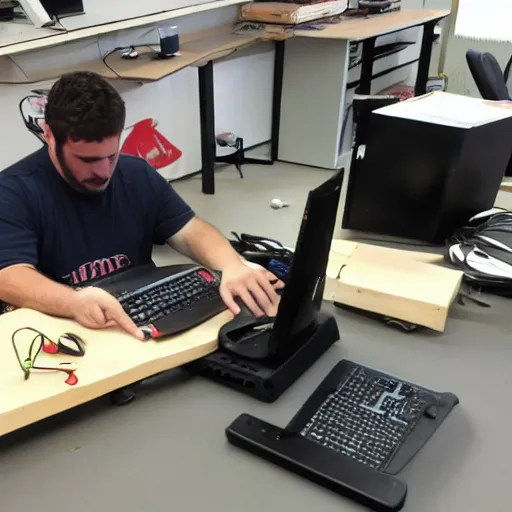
(277,93)
(207,118)
(365,82)
(425,55)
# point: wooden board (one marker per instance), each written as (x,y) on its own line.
(342,250)
(195,49)
(400,284)
(357,29)
(506,186)
(113,359)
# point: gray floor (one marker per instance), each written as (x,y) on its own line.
(243,205)
(167,450)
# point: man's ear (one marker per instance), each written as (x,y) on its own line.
(45,128)
(47,133)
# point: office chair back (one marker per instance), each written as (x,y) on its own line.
(487,75)
(490,80)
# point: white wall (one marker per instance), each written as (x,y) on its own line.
(455,67)
(243,94)
(98,12)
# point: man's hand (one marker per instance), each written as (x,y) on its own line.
(97,309)
(255,285)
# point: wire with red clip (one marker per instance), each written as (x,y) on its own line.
(68,343)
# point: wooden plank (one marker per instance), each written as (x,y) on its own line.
(407,285)
(113,359)
(506,186)
(343,250)
(357,29)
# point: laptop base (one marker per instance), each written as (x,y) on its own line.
(268,380)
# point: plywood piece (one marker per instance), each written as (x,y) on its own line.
(358,29)
(409,290)
(113,359)
(200,47)
(506,186)
(398,283)
(343,250)
(376,252)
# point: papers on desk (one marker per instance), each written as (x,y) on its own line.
(486,21)
(289,13)
(449,110)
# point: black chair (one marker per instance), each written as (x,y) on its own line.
(490,80)
(488,76)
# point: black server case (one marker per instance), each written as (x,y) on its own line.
(420,180)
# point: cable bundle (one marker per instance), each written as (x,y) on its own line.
(483,251)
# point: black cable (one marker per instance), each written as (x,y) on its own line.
(32,359)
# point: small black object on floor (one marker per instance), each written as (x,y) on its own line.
(358,429)
(122,396)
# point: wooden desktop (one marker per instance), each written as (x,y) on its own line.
(113,359)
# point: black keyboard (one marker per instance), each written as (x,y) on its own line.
(357,430)
(175,303)
(367,417)
(371,417)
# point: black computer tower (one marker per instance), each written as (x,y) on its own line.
(421,179)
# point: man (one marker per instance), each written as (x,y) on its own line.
(77,210)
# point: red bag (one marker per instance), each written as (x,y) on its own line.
(147,142)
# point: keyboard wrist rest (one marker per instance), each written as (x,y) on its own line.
(374,489)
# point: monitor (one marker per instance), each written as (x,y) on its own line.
(296,320)
(302,297)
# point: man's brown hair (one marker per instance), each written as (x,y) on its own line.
(84,106)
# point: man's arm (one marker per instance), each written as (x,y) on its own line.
(204,244)
(23,286)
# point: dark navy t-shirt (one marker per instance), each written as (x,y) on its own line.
(75,238)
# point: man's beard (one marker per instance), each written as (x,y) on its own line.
(70,177)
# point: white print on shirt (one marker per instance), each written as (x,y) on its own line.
(97,268)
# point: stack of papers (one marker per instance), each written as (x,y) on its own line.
(449,109)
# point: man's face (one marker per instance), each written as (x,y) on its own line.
(87,166)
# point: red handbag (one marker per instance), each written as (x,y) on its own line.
(147,142)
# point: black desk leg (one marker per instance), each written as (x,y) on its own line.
(365,82)
(277,94)
(207,118)
(424,62)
